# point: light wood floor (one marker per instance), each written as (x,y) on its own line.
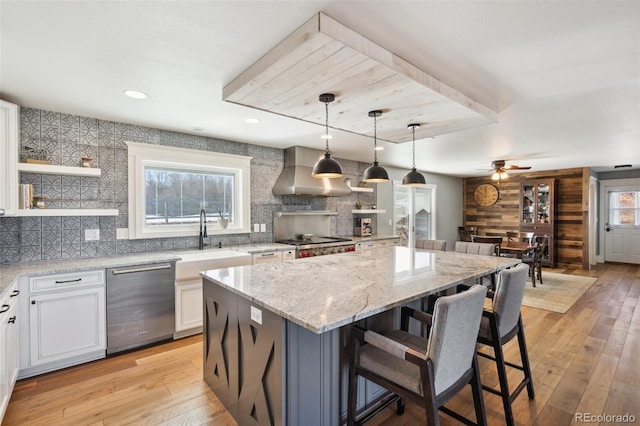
(586,360)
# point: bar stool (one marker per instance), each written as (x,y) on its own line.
(428,371)
(501,324)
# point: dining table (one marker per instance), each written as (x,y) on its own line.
(516,247)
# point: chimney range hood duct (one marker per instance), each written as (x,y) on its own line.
(296,178)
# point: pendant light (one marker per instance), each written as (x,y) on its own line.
(326,167)
(375,173)
(413,178)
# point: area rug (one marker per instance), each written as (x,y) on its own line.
(558,293)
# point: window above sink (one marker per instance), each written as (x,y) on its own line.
(168,187)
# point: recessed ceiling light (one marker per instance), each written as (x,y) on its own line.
(197,129)
(135,94)
(252,120)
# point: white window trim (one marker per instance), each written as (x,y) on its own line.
(141,155)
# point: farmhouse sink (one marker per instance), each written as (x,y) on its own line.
(191,263)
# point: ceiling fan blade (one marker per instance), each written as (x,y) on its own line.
(512,167)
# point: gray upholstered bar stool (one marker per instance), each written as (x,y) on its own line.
(501,324)
(431,244)
(428,371)
(482,249)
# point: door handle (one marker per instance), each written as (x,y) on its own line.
(608,229)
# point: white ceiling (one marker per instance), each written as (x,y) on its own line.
(563,75)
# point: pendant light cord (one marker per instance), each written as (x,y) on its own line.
(375,138)
(326,127)
(413,132)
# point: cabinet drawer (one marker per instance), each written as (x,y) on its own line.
(61,281)
(267,257)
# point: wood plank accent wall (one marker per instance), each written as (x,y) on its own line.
(571,209)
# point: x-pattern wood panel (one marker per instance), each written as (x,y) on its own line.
(255,406)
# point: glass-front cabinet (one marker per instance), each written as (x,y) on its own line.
(537,212)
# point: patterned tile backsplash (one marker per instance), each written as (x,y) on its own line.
(65,139)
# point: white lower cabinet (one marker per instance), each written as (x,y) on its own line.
(66,325)
(64,321)
(389,242)
(188,309)
(8,347)
(288,255)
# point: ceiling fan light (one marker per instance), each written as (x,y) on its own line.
(414,178)
(375,174)
(499,175)
(326,167)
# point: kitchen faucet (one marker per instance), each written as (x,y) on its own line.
(203,229)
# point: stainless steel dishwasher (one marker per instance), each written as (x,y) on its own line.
(140,305)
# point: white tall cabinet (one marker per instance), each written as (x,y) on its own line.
(9,131)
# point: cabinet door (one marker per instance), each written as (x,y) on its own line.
(288,255)
(4,363)
(12,341)
(63,325)
(8,158)
(188,306)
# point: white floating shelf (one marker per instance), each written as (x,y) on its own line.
(360,189)
(368,211)
(49,169)
(307,213)
(68,212)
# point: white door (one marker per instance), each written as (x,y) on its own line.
(622,225)
(63,325)
(414,212)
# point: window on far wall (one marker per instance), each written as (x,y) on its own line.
(624,208)
(169,186)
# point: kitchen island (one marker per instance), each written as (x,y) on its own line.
(275,334)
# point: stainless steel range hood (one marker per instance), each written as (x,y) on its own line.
(296,178)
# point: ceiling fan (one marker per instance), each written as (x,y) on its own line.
(500,168)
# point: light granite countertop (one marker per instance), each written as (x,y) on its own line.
(326,292)
(9,273)
(374,238)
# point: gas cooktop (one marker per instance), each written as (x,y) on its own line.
(315,240)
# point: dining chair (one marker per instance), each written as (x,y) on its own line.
(431,244)
(465,232)
(427,371)
(534,257)
(485,239)
(500,325)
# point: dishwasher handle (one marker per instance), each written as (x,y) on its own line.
(141,269)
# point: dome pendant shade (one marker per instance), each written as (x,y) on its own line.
(375,174)
(326,167)
(414,178)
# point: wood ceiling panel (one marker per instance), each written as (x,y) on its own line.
(324,56)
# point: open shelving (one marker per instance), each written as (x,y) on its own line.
(67,212)
(49,169)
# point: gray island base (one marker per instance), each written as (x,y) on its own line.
(275,335)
